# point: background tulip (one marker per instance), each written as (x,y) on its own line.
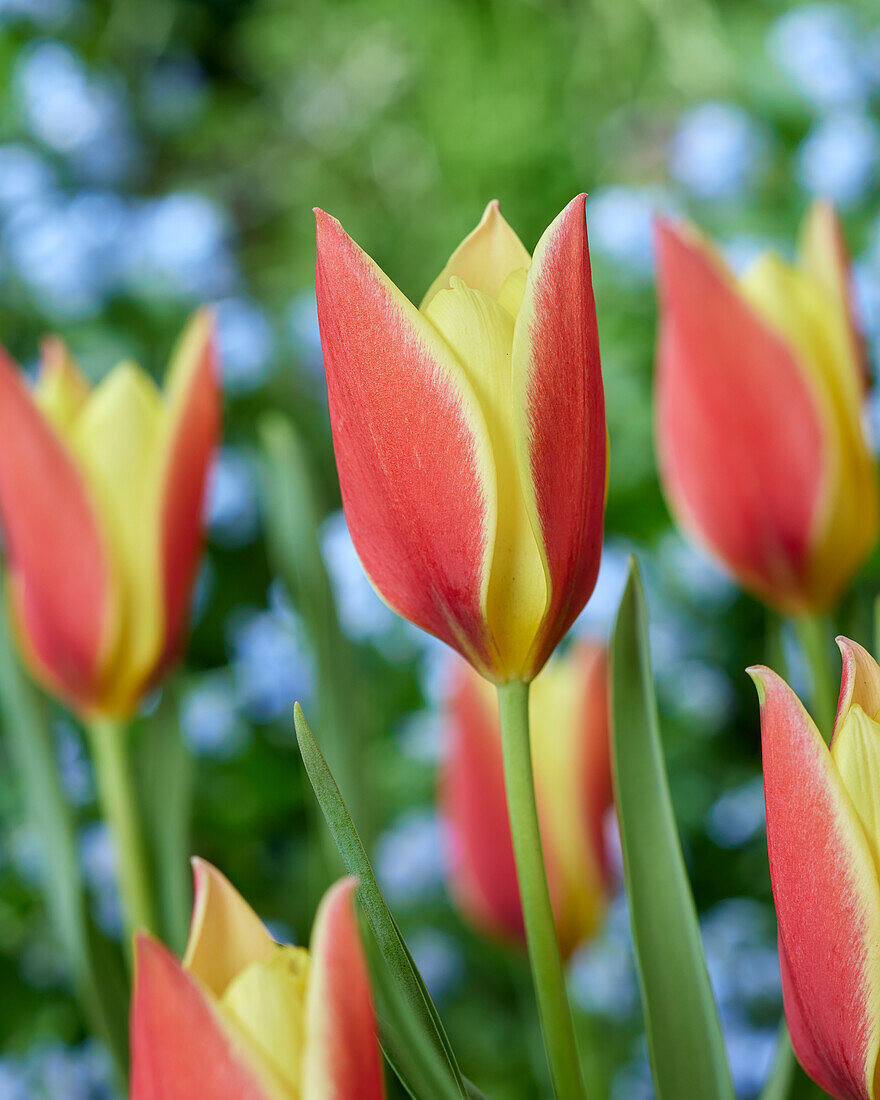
(823,837)
(470,435)
(243,1018)
(570,753)
(760,387)
(101,498)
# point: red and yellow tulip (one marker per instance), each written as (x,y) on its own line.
(243,1018)
(101,494)
(760,389)
(570,753)
(470,435)
(823,837)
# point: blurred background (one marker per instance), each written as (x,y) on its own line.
(156,156)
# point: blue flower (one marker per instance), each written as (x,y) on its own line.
(718,151)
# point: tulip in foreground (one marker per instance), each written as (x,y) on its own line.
(570,753)
(823,837)
(470,435)
(101,493)
(243,1018)
(761,383)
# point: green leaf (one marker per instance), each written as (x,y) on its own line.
(165,792)
(685,1045)
(397,958)
(97,966)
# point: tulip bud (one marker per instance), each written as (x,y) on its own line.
(243,1018)
(570,754)
(101,494)
(760,391)
(823,838)
(470,435)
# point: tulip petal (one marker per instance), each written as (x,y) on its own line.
(59,564)
(62,389)
(342,1060)
(226,935)
(180,1049)
(733,403)
(193,426)
(485,258)
(412,449)
(560,433)
(474,808)
(827,898)
(859,683)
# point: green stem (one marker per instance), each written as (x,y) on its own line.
(815,633)
(109,744)
(546,962)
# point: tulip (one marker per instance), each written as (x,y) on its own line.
(760,390)
(470,435)
(101,494)
(243,1018)
(570,753)
(823,837)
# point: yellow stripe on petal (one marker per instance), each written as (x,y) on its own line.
(856,752)
(62,389)
(480,332)
(114,438)
(267,1002)
(226,935)
(484,258)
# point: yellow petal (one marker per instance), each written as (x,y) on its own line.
(480,332)
(267,1002)
(856,752)
(484,258)
(62,388)
(226,935)
(115,437)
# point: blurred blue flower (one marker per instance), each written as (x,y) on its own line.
(80,116)
(73,764)
(246,344)
(718,151)
(439,960)
(741,251)
(13,1081)
(738,815)
(209,718)
(420,737)
(82,1072)
(739,936)
(690,576)
(621,222)
(602,971)
(232,501)
(271,664)
(410,856)
(750,1052)
(181,247)
(821,50)
(302,320)
(362,613)
(696,692)
(25,177)
(98,859)
(839,158)
(597,618)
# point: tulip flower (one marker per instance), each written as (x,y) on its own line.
(823,837)
(101,493)
(243,1018)
(760,390)
(570,754)
(470,435)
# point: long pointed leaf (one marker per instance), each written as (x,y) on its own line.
(383,925)
(685,1044)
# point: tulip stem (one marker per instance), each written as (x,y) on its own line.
(119,805)
(546,963)
(814,634)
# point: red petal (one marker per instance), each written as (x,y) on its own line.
(826,895)
(474,807)
(342,1060)
(414,462)
(596,760)
(195,412)
(561,436)
(179,1049)
(58,563)
(740,437)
